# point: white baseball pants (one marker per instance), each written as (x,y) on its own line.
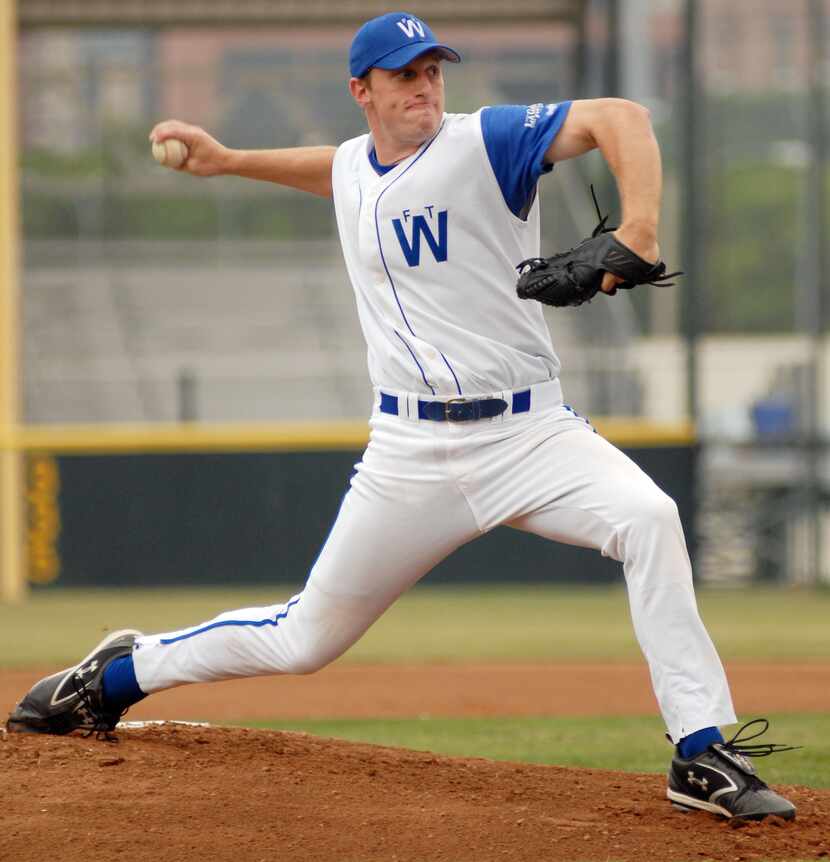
(423,489)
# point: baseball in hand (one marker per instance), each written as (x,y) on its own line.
(171,153)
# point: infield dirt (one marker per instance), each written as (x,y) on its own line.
(188,794)
(347,690)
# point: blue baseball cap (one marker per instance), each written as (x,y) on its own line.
(393,40)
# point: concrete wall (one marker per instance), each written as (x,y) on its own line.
(734,373)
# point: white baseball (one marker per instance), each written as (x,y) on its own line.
(170,153)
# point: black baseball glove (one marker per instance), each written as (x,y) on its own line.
(575,276)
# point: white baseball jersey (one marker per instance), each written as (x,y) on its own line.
(435,284)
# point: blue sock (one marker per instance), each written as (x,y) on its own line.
(697,742)
(120,687)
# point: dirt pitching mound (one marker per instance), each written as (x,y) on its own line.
(403,691)
(178,793)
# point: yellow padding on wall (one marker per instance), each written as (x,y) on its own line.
(276,437)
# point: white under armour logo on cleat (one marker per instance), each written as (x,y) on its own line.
(703,784)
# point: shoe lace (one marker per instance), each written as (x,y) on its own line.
(738,742)
(102,723)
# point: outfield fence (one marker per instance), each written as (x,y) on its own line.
(226,505)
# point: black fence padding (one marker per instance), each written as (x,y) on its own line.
(261,518)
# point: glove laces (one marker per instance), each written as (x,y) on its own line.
(759,749)
(660,279)
(600,228)
(532,264)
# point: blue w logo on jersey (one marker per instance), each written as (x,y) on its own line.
(420,227)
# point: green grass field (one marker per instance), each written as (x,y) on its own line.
(507,624)
(628,744)
(431,624)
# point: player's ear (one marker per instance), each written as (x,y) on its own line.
(360,88)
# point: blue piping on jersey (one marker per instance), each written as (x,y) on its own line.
(389,275)
(275,621)
(412,354)
(447,363)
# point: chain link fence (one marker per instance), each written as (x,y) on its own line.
(151,296)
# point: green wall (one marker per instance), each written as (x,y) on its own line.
(254,518)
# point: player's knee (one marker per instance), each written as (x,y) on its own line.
(305,665)
(310,660)
(658,510)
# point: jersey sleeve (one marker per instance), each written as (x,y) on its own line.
(516,138)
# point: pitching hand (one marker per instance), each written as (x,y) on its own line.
(206,156)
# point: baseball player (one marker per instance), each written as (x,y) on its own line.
(469,430)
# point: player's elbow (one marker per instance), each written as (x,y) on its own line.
(640,115)
(626,111)
(598,122)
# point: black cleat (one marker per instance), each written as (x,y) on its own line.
(71,699)
(723,780)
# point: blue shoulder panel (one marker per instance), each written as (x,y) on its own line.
(516,138)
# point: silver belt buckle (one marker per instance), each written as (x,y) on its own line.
(447,416)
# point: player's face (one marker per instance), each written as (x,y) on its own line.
(405,105)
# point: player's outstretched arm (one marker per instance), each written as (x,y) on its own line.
(305,168)
(622,132)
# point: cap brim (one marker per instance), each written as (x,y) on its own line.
(402,56)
